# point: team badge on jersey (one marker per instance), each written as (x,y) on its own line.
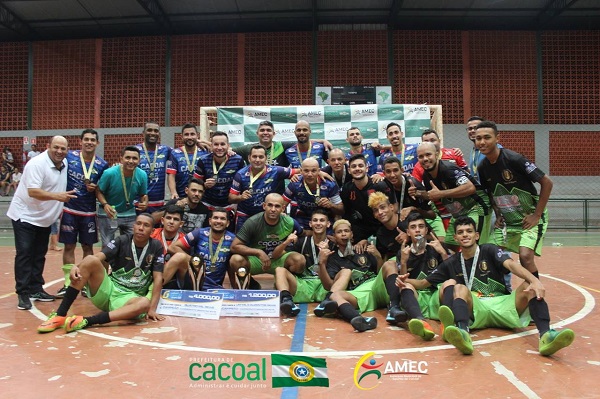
(507,175)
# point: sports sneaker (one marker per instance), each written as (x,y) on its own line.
(460,339)
(74,323)
(24,302)
(421,328)
(84,293)
(396,315)
(326,308)
(362,324)
(289,308)
(52,323)
(446,318)
(41,296)
(61,293)
(552,341)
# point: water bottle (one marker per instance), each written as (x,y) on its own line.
(114,223)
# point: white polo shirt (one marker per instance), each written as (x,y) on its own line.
(39,172)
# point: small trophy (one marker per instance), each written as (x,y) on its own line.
(197,272)
(242,278)
(317,199)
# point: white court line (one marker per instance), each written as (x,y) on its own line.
(584,311)
(510,376)
(45,286)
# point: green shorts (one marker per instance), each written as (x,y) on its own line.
(517,237)
(110,296)
(484,224)
(437,225)
(429,302)
(497,311)
(256,264)
(309,290)
(371,294)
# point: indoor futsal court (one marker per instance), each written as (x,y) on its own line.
(160,359)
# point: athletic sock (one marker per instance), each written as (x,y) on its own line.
(100,318)
(70,296)
(392,290)
(448,296)
(327,295)
(66,268)
(540,314)
(536,274)
(347,311)
(285,294)
(461,313)
(410,304)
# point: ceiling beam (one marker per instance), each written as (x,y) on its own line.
(554,8)
(153,8)
(394,10)
(9,20)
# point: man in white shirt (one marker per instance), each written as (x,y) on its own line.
(37,203)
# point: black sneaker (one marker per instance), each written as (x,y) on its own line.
(396,315)
(326,308)
(41,296)
(289,308)
(362,324)
(61,293)
(24,302)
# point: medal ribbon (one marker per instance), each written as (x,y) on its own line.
(469,281)
(214,255)
(255,177)
(217,170)
(87,173)
(153,164)
(138,261)
(317,192)
(307,152)
(125,191)
(190,167)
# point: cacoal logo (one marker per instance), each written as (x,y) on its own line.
(366,368)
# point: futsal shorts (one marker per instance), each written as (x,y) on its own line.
(256,264)
(517,237)
(110,296)
(72,226)
(497,311)
(371,294)
(309,290)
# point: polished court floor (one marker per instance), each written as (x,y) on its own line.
(164,359)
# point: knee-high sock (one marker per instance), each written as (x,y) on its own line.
(448,296)
(461,313)
(348,312)
(65,305)
(66,268)
(540,314)
(410,304)
(392,290)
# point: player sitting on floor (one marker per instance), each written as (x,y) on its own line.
(136,261)
(474,295)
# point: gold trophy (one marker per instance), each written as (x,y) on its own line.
(242,277)
(197,272)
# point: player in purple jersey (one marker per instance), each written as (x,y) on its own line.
(213,244)
(305,147)
(79,215)
(310,193)
(153,161)
(217,169)
(254,182)
(181,163)
(370,151)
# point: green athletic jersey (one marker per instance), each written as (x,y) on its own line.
(256,233)
(510,182)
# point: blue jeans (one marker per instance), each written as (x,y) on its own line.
(31,243)
(107,233)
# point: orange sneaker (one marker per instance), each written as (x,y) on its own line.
(421,328)
(52,323)
(74,323)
